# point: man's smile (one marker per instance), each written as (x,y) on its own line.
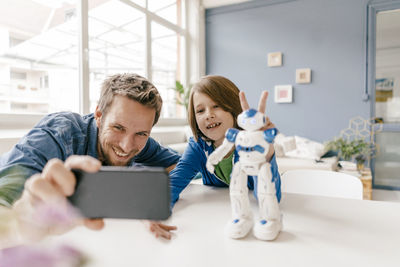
(119,152)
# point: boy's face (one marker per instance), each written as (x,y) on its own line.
(123,130)
(211,119)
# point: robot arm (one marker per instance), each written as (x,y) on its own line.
(221,151)
(269,135)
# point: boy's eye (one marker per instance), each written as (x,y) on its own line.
(216,106)
(199,110)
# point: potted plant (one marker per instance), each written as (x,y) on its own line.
(183,94)
(349,149)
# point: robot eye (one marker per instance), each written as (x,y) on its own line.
(253,121)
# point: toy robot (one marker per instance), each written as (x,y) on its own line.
(252,145)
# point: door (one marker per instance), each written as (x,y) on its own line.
(386,162)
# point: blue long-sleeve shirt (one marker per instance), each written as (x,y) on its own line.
(60,135)
(194,160)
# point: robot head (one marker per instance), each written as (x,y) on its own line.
(251,120)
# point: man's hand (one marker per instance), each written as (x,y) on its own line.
(159,229)
(45,196)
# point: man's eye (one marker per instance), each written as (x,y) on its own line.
(116,127)
(142,134)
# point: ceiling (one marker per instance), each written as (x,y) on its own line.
(17,16)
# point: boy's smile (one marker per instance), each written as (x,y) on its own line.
(211,119)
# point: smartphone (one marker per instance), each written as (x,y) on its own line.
(123,192)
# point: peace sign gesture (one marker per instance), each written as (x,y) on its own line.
(262,104)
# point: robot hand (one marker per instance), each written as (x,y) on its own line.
(211,161)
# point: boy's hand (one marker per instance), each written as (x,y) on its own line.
(160,229)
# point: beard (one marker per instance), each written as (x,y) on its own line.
(104,150)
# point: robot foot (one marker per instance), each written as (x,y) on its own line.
(267,230)
(238,228)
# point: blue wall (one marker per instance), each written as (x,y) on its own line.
(328,36)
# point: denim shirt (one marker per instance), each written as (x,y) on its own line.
(60,135)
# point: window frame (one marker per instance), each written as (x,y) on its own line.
(192,66)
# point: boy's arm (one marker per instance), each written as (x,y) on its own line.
(222,150)
(180,177)
(276,178)
(187,167)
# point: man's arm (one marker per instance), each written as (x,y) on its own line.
(154,154)
(57,135)
(50,188)
(12,180)
(26,158)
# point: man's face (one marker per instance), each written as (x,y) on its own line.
(123,130)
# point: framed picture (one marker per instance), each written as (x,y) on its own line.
(283,94)
(275,59)
(303,75)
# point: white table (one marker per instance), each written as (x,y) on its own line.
(318,231)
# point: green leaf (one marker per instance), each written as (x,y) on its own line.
(179,87)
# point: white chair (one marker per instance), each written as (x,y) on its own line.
(322,183)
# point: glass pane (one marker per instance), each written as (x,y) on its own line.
(387,162)
(141,3)
(38,56)
(166,67)
(117,43)
(387,105)
(170,10)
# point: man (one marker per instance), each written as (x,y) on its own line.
(116,134)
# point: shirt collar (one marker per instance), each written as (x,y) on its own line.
(93,136)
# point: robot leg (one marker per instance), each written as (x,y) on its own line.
(242,219)
(270,222)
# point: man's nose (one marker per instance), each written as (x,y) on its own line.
(127,144)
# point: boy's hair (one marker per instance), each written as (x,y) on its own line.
(132,86)
(222,91)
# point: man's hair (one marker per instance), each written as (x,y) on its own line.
(222,91)
(132,86)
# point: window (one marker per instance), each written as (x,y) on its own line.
(39,63)
(38,56)
(166,46)
(117,34)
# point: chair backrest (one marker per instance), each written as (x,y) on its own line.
(322,183)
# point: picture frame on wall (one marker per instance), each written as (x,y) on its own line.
(275,59)
(303,75)
(283,94)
